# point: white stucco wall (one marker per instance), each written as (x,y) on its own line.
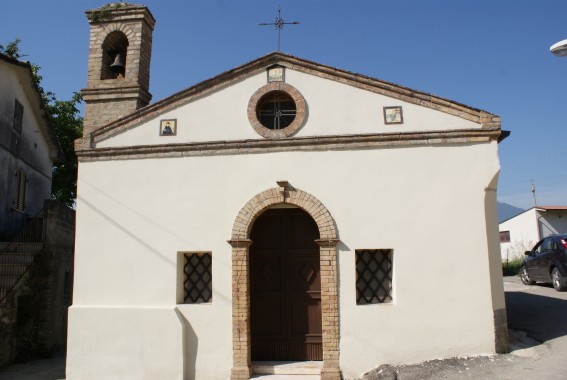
(553,222)
(134,216)
(523,234)
(222,115)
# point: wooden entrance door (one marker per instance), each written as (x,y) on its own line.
(285,287)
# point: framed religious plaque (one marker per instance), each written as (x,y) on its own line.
(393,115)
(276,74)
(168,127)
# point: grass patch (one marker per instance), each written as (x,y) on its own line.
(511,267)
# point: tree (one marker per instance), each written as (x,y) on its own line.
(67,124)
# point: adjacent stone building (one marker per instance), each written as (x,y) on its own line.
(36,233)
(284,210)
(28,147)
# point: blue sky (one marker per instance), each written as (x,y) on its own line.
(488,54)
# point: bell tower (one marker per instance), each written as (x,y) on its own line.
(120,51)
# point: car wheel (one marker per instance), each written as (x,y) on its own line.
(557,280)
(525,277)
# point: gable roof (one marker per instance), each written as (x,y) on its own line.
(25,73)
(553,208)
(537,208)
(486,119)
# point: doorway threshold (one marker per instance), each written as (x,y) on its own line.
(287,367)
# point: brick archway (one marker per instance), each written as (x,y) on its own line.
(240,242)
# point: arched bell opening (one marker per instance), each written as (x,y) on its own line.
(115,50)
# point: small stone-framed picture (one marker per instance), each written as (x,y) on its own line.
(168,127)
(393,115)
(276,74)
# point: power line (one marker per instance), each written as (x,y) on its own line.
(541,158)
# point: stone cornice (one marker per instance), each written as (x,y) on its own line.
(123,12)
(313,143)
(244,243)
(113,92)
(327,243)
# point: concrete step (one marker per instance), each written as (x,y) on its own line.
(287,377)
(35,247)
(310,368)
(17,257)
(13,269)
(8,281)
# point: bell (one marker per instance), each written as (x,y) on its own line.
(118,65)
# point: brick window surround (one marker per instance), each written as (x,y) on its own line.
(240,242)
(300,110)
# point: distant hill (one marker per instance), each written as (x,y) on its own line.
(506,211)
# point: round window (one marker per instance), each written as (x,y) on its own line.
(276,110)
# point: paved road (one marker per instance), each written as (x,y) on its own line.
(535,314)
(537,322)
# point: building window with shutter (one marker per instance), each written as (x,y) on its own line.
(504,236)
(17,124)
(20,184)
(198,278)
(18,117)
(373,276)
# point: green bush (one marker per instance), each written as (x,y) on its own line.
(511,267)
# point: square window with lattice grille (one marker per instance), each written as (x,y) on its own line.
(373,276)
(198,283)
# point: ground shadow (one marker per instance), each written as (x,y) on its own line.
(542,317)
(190,343)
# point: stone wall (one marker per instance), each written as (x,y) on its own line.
(33,318)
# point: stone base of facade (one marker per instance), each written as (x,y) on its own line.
(501,344)
(331,374)
(241,373)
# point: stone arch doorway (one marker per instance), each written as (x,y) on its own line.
(285,287)
(241,301)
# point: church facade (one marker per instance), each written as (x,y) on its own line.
(284,210)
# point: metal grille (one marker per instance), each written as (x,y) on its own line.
(17,256)
(276,110)
(198,282)
(373,276)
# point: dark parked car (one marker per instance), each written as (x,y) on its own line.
(547,262)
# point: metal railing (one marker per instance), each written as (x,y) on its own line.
(18,255)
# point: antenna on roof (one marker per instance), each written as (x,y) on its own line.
(533,192)
(279,23)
